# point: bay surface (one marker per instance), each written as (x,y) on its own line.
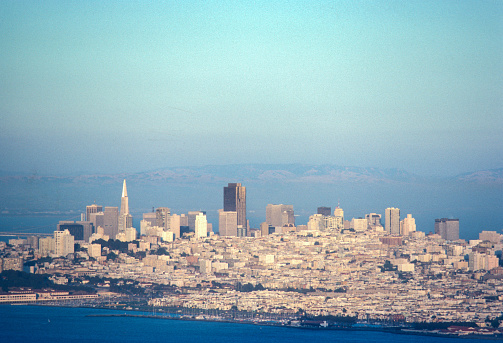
(21,323)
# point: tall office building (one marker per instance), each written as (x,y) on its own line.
(325,211)
(373,220)
(174,225)
(150,218)
(235,201)
(125,218)
(227,223)
(339,218)
(63,243)
(92,209)
(392,221)
(448,229)
(201,226)
(407,225)
(81,231)
(163,216)
(279,215)
(111,221)
(192,215)
(97,219)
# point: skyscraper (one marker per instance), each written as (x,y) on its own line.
(392,221)
(326,211)
(192,215)
(373,220)
(235,200)
(448,229)
(407,225)
(163,217)
(125,218)
(227,223)
(111,221)
(201,226)
(339,218)
(92,209)
(63,243)
(279,215)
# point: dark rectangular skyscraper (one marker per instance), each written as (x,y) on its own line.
(325,211)
(235,200)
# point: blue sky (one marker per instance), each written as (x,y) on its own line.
(110,87)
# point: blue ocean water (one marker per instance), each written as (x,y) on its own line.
(21,323)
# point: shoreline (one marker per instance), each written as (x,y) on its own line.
(392,330)
(174,316)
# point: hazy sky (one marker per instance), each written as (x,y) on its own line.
(131,86)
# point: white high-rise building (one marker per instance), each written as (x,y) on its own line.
(125,218)
(63,243)
(201,226)
(407,225)
(191,219)
(392,221)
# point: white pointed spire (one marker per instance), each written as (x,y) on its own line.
(124,189)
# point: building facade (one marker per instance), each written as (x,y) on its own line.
(235,201)
(125,218)
(392,221)
(448,229)
(279,215)
(227,223)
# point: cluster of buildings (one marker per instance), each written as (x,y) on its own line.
(333,266)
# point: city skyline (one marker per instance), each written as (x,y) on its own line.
(278,217)
(407,85)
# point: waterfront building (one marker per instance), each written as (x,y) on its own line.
(392,221)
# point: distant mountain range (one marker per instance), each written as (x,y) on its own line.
(492,176)
(303,173)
